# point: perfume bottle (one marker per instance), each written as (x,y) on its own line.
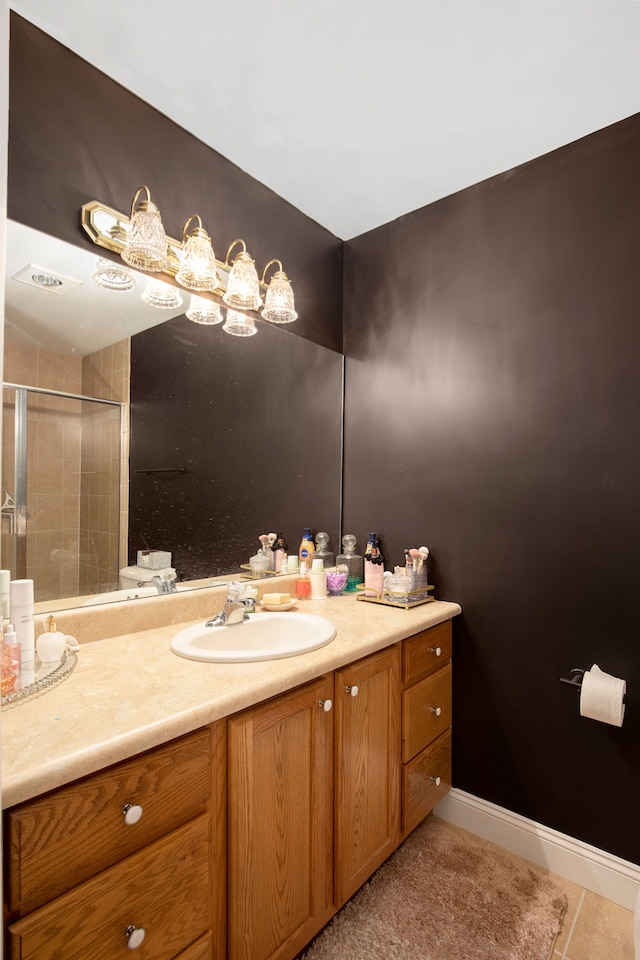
(322,550)
(352,561)
(373,569)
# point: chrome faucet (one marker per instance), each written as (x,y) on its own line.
(233,611)
(164,584)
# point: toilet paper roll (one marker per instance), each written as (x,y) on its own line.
(602,697)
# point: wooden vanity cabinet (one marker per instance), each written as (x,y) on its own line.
(281,822)
(367,764)
(297,848)
(426,723)
(138,846)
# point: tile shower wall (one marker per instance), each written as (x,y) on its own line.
(53,481)
(104,469)
(77,531)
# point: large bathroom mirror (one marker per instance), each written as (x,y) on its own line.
(130,428)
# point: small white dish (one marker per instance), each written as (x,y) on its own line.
(276,607)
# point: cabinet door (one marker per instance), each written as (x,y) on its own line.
(280,823)
(367,810)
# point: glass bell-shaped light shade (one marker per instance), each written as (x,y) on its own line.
(202,310)
(239,325)
(243,286)
(198,267)
(278,301)
(146,247)
(112,275)
(162,295)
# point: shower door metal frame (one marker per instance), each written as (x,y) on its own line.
(20,467)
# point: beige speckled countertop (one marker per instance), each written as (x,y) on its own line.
(130,692)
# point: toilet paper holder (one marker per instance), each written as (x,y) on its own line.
(575,678)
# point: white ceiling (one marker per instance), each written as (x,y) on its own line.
(357,111)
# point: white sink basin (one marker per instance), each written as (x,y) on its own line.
(264,636)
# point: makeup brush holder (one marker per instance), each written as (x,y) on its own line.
(418,580)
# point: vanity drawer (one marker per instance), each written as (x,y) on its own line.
(71,834)
(426,712)
(426,652)
(164,889)
(420,789)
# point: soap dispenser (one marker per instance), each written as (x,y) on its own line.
(352,561)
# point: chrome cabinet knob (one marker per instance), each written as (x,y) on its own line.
(135,936)
(436,780)
(436,651)
(436,710)
(352,690)
(325,704)
(132,813)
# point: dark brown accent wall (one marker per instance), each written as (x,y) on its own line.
(75,135)
(492,409)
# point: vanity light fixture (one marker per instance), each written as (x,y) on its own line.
(239,324)
(198,267)
(157,293)
(203,310)
(243,286)
(112,276)
(141,241)
(146,245)
(278,302)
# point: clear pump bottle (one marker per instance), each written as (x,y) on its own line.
(352,561)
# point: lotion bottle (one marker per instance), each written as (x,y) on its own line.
(21,607)
(318,577)
(307,548)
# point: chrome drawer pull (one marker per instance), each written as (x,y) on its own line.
(326,705)
(135,936)
(132,813)
(436,710)
(437,651)
(436,780)
(353,690)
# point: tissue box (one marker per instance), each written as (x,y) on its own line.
(154,559)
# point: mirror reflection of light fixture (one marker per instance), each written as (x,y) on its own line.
(202,310)
(162,295)
(112,275)
(146,245)
(243,286)
(278,302)
(239,324)
(198,267)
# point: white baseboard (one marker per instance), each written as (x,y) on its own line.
(609,876)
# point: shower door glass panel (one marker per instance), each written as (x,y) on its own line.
(61,470)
